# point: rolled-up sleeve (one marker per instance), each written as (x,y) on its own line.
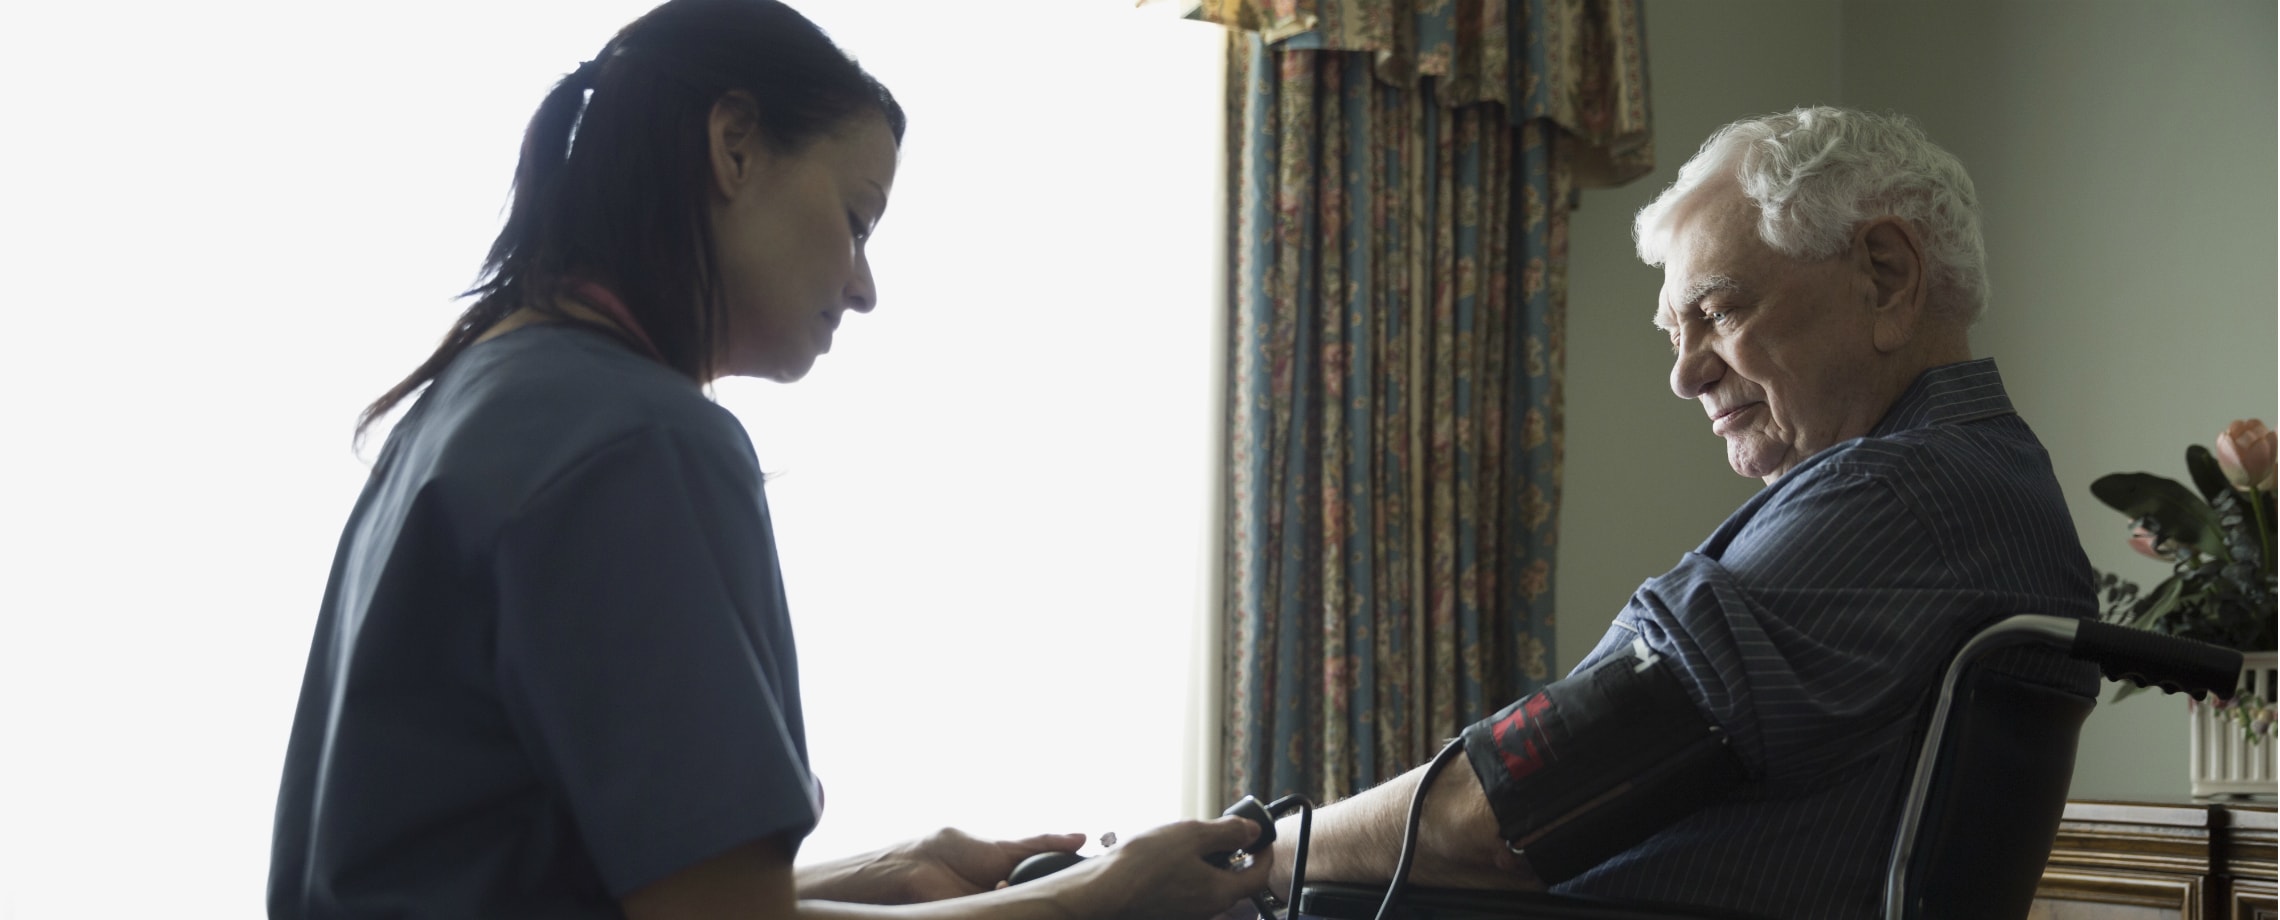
(1810,633)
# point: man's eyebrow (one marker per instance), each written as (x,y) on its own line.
(1694,294)
(1700,290)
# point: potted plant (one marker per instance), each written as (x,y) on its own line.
(2218,538)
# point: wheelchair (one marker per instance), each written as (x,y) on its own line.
(1984,798)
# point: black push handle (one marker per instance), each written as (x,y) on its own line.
(2154,660)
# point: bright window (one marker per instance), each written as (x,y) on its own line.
(229,225)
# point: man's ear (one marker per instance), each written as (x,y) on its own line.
(733,133)
(1890,257)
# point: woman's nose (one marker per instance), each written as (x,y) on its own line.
(862,292)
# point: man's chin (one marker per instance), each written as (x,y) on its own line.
(1752,460)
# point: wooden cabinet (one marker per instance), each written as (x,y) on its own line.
(2195,860)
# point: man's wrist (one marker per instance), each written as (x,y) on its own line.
(1460,835)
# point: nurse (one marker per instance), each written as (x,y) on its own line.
(553,674)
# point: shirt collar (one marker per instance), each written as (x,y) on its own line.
(1950,394)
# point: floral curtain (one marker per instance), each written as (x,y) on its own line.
(1403,171)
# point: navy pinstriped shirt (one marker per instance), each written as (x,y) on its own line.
(1812,625)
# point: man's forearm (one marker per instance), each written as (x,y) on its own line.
(1358,839)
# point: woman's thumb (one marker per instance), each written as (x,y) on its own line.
(1043,843)
(1233,832)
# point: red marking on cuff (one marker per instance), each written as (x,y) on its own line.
(1515,736)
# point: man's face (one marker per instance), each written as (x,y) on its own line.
(1778,351)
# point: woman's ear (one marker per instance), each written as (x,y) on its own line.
(733,132)
(1891,258)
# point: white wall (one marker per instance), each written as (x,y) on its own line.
(2124,153)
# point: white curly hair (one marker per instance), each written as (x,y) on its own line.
(1816,173)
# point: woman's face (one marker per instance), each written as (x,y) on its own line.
(790,230)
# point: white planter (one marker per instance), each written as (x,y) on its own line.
(2224,762)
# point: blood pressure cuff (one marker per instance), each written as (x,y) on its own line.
(1593,764)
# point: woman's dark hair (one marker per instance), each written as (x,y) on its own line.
(625,206)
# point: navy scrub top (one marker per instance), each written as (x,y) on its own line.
(553,663)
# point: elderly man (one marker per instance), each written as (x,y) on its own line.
(1741,736)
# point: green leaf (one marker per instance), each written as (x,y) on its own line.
(2164,598)
(2178,514)
(2206,473)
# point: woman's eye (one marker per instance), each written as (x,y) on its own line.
(855,226)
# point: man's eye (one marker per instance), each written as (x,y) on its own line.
(855,226)
(1717,317)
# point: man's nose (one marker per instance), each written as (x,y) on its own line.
(1696,369)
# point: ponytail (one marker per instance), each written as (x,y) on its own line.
(499,290)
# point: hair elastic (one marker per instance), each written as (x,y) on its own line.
(587,72)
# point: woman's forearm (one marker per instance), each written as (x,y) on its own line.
(850,878)
(1036,901)
(755,882)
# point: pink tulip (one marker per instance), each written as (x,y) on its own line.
(2245,451)
(2142,540)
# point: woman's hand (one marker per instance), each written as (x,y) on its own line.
(1161,874)
(948,863)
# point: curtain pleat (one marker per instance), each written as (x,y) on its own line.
(1395,366)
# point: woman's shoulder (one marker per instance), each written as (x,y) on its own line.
(570,379)
(516,411)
